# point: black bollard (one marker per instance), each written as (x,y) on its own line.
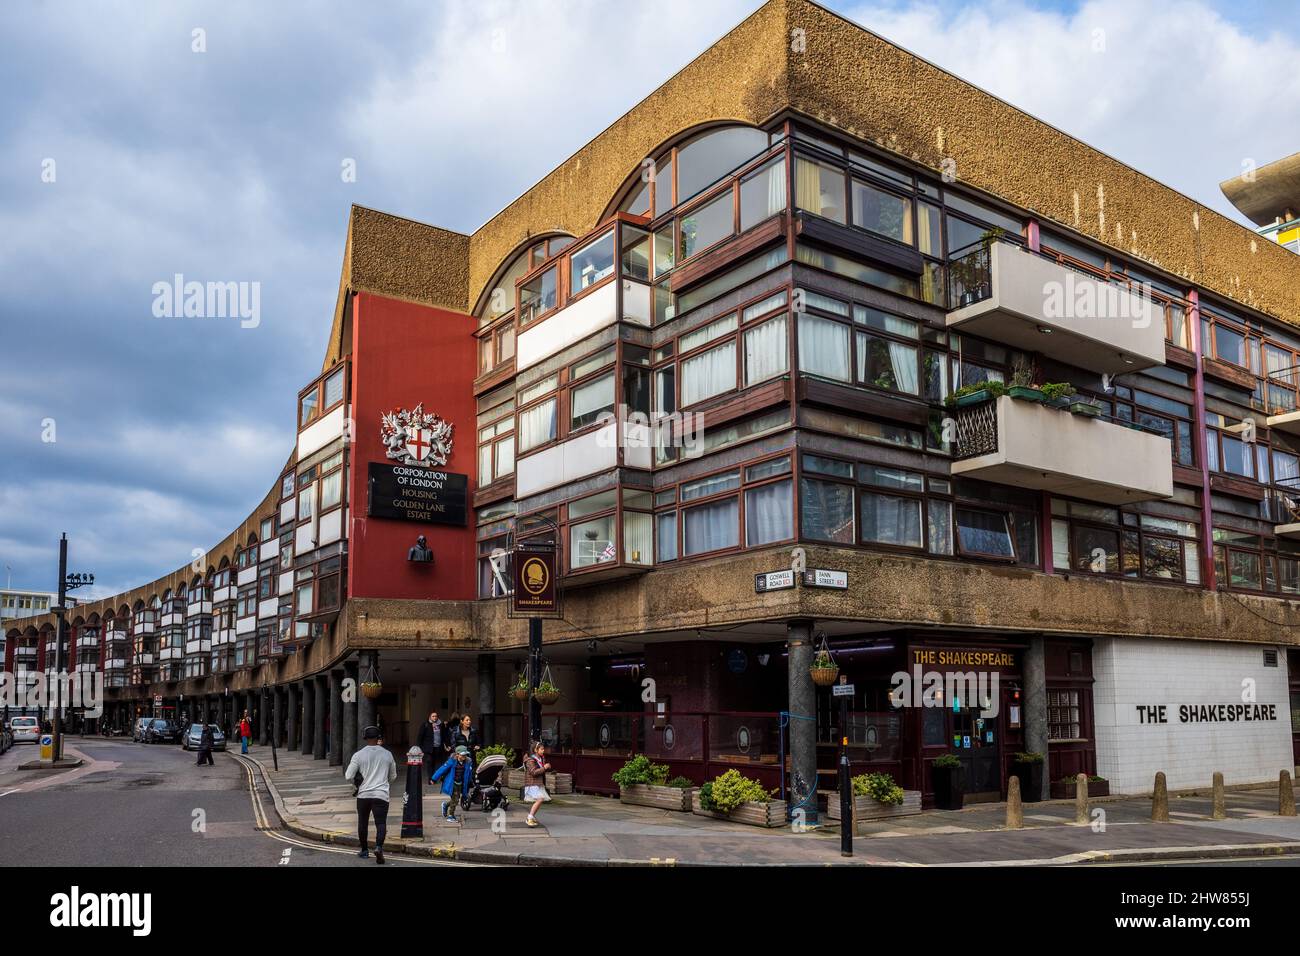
(413,799)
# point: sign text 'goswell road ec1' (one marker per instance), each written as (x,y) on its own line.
(413,493)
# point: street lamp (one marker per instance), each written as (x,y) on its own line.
(67,582)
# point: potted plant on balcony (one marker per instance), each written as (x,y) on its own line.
(646,784)
(739,799)
(1088,409)
(949,783)
(1029,768)
(1054,392)
(975,393)
(1022,382)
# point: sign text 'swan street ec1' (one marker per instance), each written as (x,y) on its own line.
(417,494)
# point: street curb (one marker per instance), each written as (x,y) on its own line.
(506,858)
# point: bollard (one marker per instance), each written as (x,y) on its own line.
(1015,810)
(1285,795)
(1217,811)
(1160,800)
(1081,798)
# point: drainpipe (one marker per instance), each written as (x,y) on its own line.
(1033,240)
(1202,443)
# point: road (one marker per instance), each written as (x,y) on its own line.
(150,805)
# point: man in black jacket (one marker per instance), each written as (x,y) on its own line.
(432,741)
(205,746)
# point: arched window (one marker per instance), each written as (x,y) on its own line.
(686,170)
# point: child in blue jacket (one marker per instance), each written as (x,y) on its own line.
(456,771)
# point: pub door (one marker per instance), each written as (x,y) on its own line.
(977,743)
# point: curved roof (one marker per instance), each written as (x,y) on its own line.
(1268,193)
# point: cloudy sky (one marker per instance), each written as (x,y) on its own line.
(128,156)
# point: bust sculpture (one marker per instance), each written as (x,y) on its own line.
(420,552)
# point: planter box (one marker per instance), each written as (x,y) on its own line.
(555,782)
(770,814)
(1086,409)
(1025,392)
(866,808)
(661,798)
(949,787)
(974,398)
(1031,780)
(1065,790)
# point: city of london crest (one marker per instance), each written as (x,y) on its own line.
(416,437)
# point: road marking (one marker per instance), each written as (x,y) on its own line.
(264,826)
(7,792)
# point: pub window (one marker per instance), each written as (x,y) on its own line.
(1063,715)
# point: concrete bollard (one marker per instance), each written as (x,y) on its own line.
(1217,811)
(1160,800)
(1285,795)
(1081,798)
(1015,809)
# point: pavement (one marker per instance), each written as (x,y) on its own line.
(314,801)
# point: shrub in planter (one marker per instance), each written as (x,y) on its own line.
(1029,768)
(502,749)
(680,783)
(949,785)
(640,770)
(1055,391)
(725,793)
(974,393)
(880,787)
(1064,789)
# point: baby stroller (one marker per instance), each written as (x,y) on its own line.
(487,784)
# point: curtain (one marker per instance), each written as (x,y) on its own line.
(593,397)
(666,536)
(769,514)
(708,374)
(711,527)
(638,537)
(776,198)
(537,425)
(766,351)
(887,519)
(902,358)
(823,347)
(808,185)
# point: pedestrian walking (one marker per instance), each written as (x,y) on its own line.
(466,736)
(455,777)
(535,767)
(429,740)
(377,770)
(205,746)
(453,725)
(245,732)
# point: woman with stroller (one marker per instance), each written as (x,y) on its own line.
(535,767)
(466,736)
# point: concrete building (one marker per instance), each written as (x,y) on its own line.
(742,356)
(1270,198)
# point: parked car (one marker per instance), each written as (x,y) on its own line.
(194,736)
(161,731)
(26,730)
(141,724)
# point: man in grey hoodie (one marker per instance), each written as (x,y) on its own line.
(377,769)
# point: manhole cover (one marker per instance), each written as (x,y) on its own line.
(142,782)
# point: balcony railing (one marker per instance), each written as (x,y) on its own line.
(1001,291)
(1027,444)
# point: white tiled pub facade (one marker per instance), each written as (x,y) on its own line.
(1207,694)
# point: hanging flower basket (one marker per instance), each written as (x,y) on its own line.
(824,671)
(372,689)
(546,693)
(520,690)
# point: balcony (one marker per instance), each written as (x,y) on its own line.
(1031,445)
(1011,295)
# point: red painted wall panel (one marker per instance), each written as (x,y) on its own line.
(404,354)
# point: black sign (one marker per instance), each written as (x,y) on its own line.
(535,593)
(412,493)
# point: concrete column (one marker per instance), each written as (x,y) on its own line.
(292,703)
(277,716)
(266,713)
(1036,707)
(487,698)
(320,701)
(366,707)
(803,725)
(334,697)
(348,727)
(308,716)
